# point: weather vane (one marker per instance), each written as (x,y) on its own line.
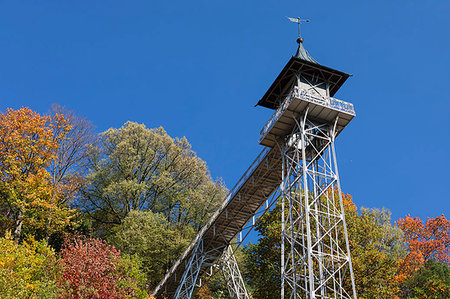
(298,21)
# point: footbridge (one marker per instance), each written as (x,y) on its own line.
(242,203)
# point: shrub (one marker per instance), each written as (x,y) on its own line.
(27,270)
(94,269)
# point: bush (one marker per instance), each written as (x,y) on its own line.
(28,270)
(94,269)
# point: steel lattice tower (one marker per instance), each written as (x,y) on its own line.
(298,167)
(315,251)
(315,254)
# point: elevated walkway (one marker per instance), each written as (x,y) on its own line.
(256,185)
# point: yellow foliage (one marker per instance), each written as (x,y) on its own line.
(28,145)
(27,270)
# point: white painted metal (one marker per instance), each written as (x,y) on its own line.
(323,108)
(316,259)
(245,200)
(190,275)
(227,263)
(230,270)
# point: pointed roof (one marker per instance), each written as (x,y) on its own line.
(303,62)
(302,53)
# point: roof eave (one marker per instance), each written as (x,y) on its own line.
(343,77)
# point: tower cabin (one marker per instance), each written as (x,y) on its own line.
(304,87)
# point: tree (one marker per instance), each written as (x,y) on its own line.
(28,143)
(28,270)
(432,280)
(135,168)
(261,267)
(153,239)
(426,242)
(431,240)
(94,269)
(375,247)
(67,167)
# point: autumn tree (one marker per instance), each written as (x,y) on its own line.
(428,243)
(376,248)
(91,268)
(135,168)
(28,270)
(28,143)
(431,240)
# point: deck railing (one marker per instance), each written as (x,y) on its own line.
(297,93)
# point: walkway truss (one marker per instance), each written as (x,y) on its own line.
(297,167)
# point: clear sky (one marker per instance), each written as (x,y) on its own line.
(198,67)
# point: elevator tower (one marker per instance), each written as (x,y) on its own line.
(315,254)
(297,167)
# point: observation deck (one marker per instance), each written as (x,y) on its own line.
(321,108)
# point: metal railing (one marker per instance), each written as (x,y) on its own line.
(262,155)
(297,93)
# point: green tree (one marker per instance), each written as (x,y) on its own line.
(376,248)
(135,168)
(149,236)
(261,267)
(432,280)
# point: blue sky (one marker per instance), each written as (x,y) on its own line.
(198,67)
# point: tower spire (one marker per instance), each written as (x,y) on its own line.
(301,51)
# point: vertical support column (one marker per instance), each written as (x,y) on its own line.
(307,213)
(283,225)
(338,182)
(315,252)
(190,275)
(232,275)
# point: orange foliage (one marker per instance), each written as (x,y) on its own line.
(28,146)
(348,202)
(204,292)
(425,241)
(346,199)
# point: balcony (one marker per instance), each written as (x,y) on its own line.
(320,105)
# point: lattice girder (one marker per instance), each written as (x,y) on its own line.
(315,252)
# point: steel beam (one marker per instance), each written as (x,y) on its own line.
(232,275)
(190,275)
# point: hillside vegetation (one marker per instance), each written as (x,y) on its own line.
(87,215)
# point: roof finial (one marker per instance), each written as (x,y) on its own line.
(298,21)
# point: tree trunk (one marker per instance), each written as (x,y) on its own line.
(18,225)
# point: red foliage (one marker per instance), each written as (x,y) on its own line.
(425,242)
(89,269)
(432,240)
